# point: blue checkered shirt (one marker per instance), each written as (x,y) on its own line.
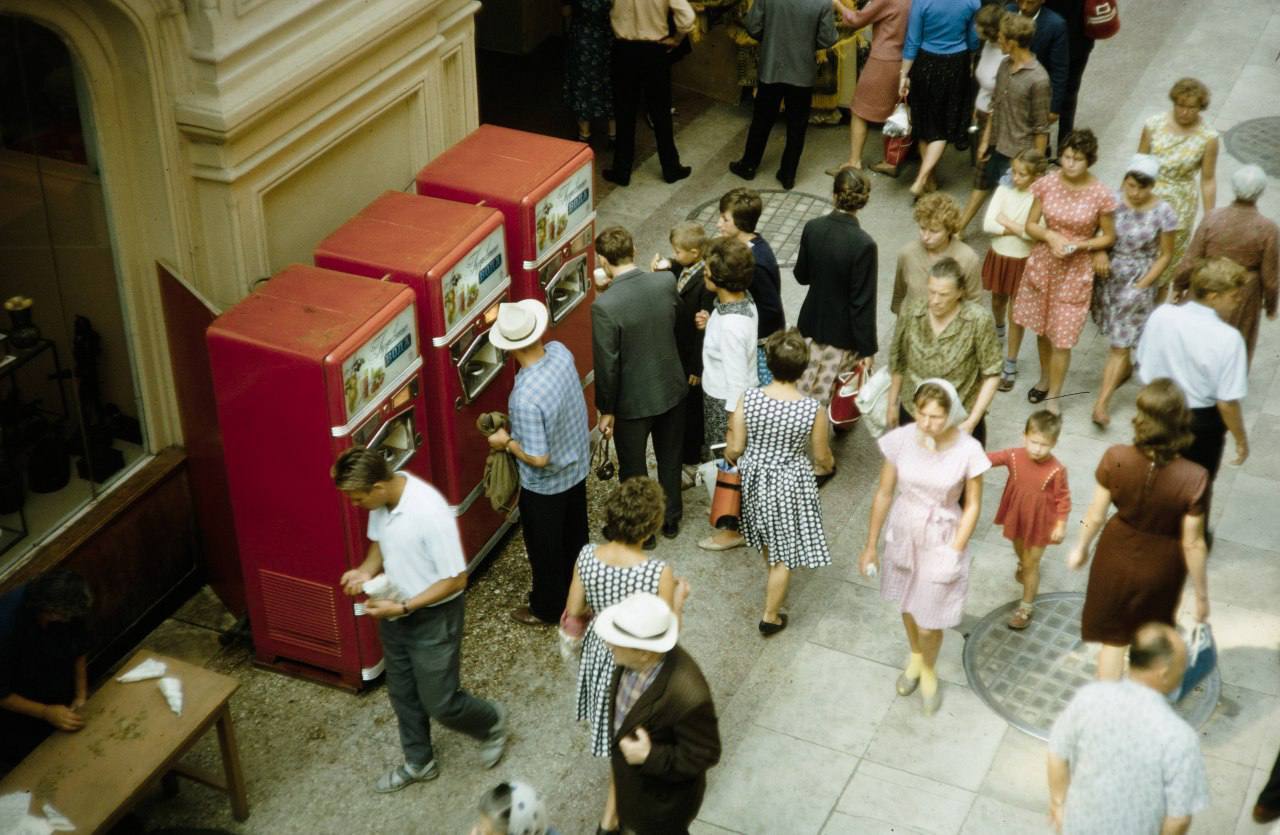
(549,417)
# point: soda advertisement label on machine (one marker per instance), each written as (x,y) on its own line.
(566,207)
(473,277)
(378,361)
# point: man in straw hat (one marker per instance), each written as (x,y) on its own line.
(663,720)
(551,442)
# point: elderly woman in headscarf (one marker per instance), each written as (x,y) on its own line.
(1241,233)
(928,465)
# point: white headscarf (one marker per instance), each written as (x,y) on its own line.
(958,412)
(1248,182)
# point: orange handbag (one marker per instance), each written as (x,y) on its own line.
(726,502)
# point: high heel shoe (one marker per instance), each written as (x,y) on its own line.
(767,629)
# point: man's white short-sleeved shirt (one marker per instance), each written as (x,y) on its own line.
(418,538)
(1192,346)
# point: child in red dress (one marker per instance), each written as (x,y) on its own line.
(1035,504)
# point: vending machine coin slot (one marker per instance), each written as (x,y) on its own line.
(478,363)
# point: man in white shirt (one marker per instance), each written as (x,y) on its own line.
(1206,357)
(414,540)
(1120,759)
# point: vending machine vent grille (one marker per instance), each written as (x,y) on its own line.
(301,612)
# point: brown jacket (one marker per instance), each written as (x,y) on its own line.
(664,793)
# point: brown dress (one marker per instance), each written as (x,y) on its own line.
(1241,233)
(1139,568)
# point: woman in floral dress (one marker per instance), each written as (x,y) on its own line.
(1071,218)
(1124,294)
(587,88)
(1185,146)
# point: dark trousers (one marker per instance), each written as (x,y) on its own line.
(979,431)
(693,431)
(555,529)
(421,652)
(630,438)
(1270,795)
(642,69)
(763,114)
(1209,433)
(1078,59)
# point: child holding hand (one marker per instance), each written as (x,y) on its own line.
(1035,504)
(1006,221)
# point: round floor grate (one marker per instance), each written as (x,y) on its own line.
(781,221)
(1029,676)
(1257,141)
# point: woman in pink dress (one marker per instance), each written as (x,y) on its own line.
(926,563)
(1072,217)
(876,92)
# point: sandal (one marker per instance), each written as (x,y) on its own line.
(401,776)
(1007,375)
(1035,395)
(1021,617)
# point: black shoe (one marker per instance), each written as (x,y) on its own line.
(767,629)
(787,182)
(742,170)
(677,174)
(616,177)
(651,543)
(671,529)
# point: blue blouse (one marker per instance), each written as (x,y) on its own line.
(942,27)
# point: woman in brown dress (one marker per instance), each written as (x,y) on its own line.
(1241,233)
(1156,536)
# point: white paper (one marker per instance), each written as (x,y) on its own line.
(379,586)
(172,689)
(31,825)
(58,822)
(151,668)
(13,808)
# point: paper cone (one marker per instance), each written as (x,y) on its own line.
(379,586)
(151,668)
(58,822)
(172,689)
(13,808)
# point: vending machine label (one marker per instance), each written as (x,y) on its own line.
(379,361)
(567,206)
(470,279)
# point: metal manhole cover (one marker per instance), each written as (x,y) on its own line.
(781,221)
(1028,677)
(1257,141)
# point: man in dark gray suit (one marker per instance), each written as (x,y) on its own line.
(640,384)
(790,32)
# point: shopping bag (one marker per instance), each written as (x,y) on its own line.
(872,401)
(571,632)
(707,477)
(896,149)
(726,501)
(842,410)
(1202,657)
(899,122)
(1101,19)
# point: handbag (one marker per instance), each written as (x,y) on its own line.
(602,461)
(571,632)
(726,501)
(899,122)
(872,401)
(1202,657)
(1101,19)
(842,410)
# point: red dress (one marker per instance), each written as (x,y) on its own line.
(1035,497)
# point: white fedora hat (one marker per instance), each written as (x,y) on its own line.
(641,621)
(519,325)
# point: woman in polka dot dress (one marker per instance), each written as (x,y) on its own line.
(769,437)
(1072,217)
(608,574)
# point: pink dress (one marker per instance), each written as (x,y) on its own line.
(919,571)
(1053,297)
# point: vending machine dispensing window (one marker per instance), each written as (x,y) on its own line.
(477,360)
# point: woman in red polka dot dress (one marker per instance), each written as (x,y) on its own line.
(1073,217)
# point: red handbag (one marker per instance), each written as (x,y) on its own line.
(842,411)
(1101,19)
(726,502)
(896,149)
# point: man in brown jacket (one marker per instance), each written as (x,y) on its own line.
(665,735)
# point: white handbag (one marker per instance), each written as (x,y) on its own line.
(899,122)
(873,401)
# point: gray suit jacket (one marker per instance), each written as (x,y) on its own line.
(790,32)
(633,344)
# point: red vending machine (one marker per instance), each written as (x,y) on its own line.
(544,188)
(306,366)
(453,256)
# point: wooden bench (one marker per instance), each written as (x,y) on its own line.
(130,740)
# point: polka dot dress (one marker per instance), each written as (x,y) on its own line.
(1053,297)
(780,506)
(605,585)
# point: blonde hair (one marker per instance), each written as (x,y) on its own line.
(1018,30)
(1216,275)
(987,21)
(1034,160)
(690,236)
(937,211)
(1190,88)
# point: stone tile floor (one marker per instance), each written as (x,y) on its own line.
(815,738)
